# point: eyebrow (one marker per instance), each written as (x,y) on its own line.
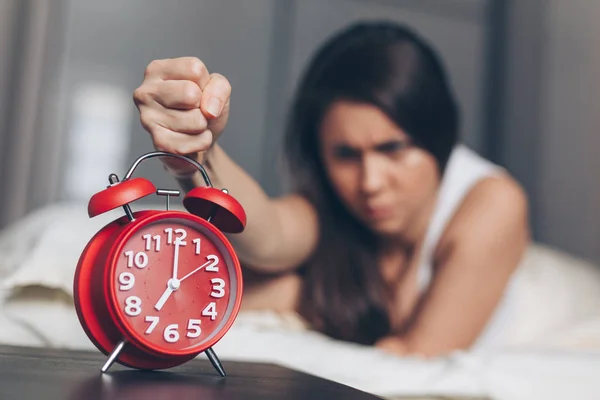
(394,144)
(388,145)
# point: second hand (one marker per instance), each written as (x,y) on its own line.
(199,268)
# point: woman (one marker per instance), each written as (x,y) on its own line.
(395,234)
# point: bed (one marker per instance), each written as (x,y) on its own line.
(554,349)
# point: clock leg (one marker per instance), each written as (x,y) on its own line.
(214,360)
(113,356)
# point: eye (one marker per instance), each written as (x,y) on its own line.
(345,153)
(392,147)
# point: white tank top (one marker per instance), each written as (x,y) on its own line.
(465,168)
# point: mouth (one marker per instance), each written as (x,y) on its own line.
(377,212)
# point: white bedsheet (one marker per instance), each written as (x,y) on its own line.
(38,257)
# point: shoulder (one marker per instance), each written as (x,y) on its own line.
(493,197)
(494,213)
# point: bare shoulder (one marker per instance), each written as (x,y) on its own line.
(493,198)
(494,213)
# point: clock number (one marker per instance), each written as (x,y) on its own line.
(197,243)
(218,288)
(170,334)
(140,259)
(179,239)
(127,280)
(194,325)
(182,235)
(148,238)
(133,306)
(212,267)
(210,311)
(153,322)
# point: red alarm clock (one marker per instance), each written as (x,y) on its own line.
(155,288)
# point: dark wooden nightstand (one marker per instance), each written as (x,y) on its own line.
(48,374)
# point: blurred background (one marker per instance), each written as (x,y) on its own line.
(525,72)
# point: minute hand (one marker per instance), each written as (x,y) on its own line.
(175,259)
(212,260)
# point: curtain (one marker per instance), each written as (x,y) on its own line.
(31,39)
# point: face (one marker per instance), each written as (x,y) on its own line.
(385,182)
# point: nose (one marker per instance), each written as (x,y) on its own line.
(372,178)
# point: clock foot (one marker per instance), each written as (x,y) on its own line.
(113,356)
(214,360)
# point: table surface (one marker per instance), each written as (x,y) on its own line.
(35,373)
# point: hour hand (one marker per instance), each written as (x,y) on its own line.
(172,286)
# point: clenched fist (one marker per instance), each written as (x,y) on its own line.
(184,108)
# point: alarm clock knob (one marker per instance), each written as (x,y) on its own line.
(218,207)
(119,194)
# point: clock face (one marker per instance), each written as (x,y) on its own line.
(175,285)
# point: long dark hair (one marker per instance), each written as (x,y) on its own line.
(387,65)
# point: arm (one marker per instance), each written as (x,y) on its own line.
(185,108)
(280,233)
(474,261)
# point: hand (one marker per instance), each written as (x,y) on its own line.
(172,285)
(183,107)
(393,344)
(175,259)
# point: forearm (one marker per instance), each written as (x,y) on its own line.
(409,345)
(255,244)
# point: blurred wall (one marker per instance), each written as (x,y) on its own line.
(261,46)
(570,161)
(110,43)
(525,72)
(31,52)
(551,124)
(7,11)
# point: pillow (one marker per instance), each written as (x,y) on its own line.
(554,293)
(38,316)
(45,248)
(19,238)
(52,249)
(39,256)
